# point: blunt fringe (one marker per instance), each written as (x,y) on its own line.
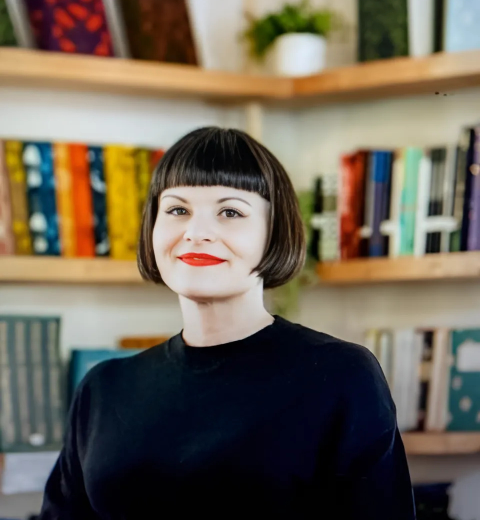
(213,156)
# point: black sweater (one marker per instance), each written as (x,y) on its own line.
(286,423)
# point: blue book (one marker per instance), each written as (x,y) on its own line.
(462,25)
(43,216)
(82,360)
(99,202)
(464,384)
(380,170)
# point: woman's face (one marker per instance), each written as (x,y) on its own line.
(228,224)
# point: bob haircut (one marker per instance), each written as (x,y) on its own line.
(213,156)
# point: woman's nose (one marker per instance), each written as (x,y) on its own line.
(200,229)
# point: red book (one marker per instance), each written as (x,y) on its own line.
(351,203)
(82,201)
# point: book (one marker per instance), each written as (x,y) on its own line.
(383,29)
(14,26)
(438,25)
(141,342)
(143,175)
(462,189)
(409,200)
(64,199)
(82,201)
(7,243)
(122,212)
(43,218)
(7,31)
(464,381)
(436,413)
(99,200)
(473,243)
(462,18)
(420,27)
(70,26)
(32,411)
(18,195)
(159,30)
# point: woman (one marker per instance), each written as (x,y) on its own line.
(241,413)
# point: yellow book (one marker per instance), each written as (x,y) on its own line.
(144,174)
(122,201)
(64,198)
(18,194)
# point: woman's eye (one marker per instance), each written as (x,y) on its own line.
(230,212)
(171,212)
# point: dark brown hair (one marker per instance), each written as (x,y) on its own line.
(213,156)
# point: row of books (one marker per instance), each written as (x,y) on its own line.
(416,27)
(433,374)
(409,201)
(36,387)
(73,200)
(142,29)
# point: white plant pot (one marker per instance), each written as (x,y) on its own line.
(297,54)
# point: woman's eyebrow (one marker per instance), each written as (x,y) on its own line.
(218,201)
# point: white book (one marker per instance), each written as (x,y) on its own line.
(116,26)
(420,27)
(436,419)
(400,380)
(398,172)
(21,24)
(423,200)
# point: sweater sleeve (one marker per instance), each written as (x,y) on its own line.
(65,497)
(372,480)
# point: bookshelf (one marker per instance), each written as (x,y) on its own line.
(440,72)
(462,443)
(440,266)
(44,269)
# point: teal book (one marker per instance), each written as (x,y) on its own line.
(31,384)
(408,205)
(382,29)
(82,360)
(464,384)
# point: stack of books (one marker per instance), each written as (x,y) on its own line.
(409,201)
(73,200)
(433,374)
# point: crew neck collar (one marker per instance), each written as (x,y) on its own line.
(211,357)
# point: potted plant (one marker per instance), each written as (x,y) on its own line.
(293,39)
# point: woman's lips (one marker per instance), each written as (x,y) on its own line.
(199,262)
(200,259)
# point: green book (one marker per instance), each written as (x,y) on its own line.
(408,206)
(7,32)
(32,403)
(382,29)
(464,383)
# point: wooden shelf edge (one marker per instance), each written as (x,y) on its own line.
(438,72)
(440,266)
(395,77)
(44,269)
(442,443)
(34,68)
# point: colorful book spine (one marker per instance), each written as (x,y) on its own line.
(144,174)
(352,182)
(32,402)
(380,177)
(474,226)
(82,201)
(70,26)
(122,212)
(7,242)
(409,200)
(7,31)
(18,196)
(99,200)
(43,219)
(64,197)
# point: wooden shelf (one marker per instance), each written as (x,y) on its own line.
(23,67)
(441,443)
(438,73)
(45,269)
(441,72)
(442,266)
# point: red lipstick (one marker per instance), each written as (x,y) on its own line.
(200,259)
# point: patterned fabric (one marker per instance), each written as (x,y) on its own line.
(70,26)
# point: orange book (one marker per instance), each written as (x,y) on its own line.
(82,201)
(155,156)
(64,198)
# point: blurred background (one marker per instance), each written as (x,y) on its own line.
(373,107)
